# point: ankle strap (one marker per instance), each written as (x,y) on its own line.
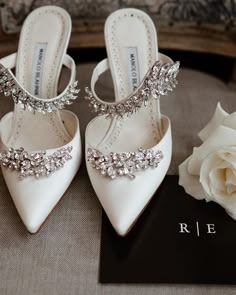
(160,79)
(10,86)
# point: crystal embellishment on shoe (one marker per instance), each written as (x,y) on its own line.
(36,163)
(10,86)
(160,79)
(124,164)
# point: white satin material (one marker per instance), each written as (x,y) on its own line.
(33,197)
(10,61)
(124,199)
(36,198)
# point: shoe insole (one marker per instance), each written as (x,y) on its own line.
(131,44)
(43,42)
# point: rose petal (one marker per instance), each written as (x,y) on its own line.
(216,120)
(221,136)
(189,182)
(217,180)
(228,154)
(231,176)
(231,212)
(230,182)
(208,164)
(230,121)
(214,179)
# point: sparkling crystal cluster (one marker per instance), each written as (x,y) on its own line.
(9,86)
(34,164)
(158,81)
(124,164)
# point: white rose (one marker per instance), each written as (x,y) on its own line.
(218,178)
(210,172)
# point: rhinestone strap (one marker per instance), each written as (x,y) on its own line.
(160,79)
(124,164)
(34,164)
(10,86)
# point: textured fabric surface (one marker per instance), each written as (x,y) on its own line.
(63,258)
(217,13)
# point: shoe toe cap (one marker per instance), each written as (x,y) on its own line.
(124,199)
(35,198)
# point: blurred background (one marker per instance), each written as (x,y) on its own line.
(194,30)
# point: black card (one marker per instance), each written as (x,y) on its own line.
(176,240)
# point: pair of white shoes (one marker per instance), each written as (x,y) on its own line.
(128,147)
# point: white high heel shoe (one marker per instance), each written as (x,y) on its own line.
(40,144)
(128,156)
